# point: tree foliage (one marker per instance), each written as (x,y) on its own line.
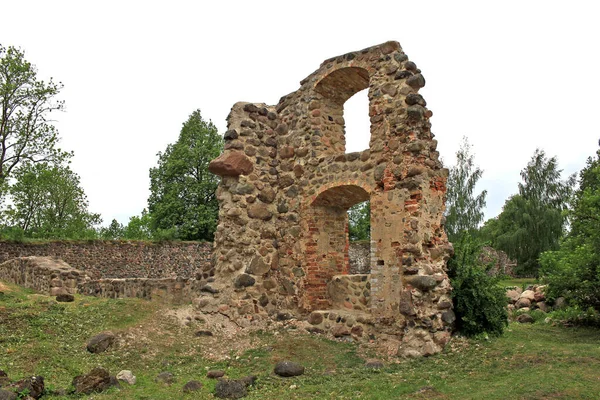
(138,228)
(26,133)
(48,202)
(464,209)
(534,220)
(479,303)
(573,270)
(359,221)
(182,203)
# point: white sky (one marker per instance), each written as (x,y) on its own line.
(510,75)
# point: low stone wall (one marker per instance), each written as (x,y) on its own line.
(359,254)
(169,290)
(351,292)
(43,274)
(122,259)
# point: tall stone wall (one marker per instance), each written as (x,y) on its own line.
(287,183)
(122,259)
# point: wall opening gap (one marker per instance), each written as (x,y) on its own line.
(357,125)
(359,235)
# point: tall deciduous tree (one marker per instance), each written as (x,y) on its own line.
(574,270)
(48,202)
(464,208)
(182,203)
(534,220)
(26,133)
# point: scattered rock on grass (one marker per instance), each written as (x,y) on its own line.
(288,369)
(6,395)
(525,319)
(215,373)
(97,380)
(33,386)
(101,342)
(374,364)
(165,377)
(226,389)
(201,333)
(127,376)
(65,298)
(192,386)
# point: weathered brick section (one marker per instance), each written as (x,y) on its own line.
(122,259)
(287,183)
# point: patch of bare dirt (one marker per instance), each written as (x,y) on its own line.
(4,288)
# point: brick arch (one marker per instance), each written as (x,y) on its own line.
(327,239)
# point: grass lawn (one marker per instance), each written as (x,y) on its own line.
(519,282)
(42,337)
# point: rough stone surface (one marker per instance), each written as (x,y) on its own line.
(293,216)
(97,380)
(226,389)
(232,163)
(192,386)
(288,369)
(165,377)
(65,298)
(7,395)
(525,319)
(126,376)
(101,342)
(34,386)
(215,373)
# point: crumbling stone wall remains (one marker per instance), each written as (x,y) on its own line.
(287,183)
(121,258)
(46,275)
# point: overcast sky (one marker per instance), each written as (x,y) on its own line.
(509,75)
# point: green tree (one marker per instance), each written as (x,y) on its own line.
(114,231)
(479,303)
(534,220)
(138,228)
(26,133)
(464,209)
(182,203)
(573,271)
(48,202)
(359,221)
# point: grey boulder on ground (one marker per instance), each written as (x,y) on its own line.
(215,373)
(127,376)
(101,342)
(192,386)
(7,395)
(226,389)
(525,319)
(165,377)
(65,298)
(33,386)
(374,364)
(288,369)
(97,380)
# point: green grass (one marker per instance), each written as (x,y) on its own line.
(519,282)
(42,337)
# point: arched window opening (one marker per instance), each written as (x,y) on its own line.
(357,127)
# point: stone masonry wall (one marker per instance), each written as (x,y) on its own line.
(122,259)
(287,183)
(43,274)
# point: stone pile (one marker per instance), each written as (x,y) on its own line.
(523,301)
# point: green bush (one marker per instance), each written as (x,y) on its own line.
(577,316)
(479,303)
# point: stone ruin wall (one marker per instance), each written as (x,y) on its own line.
(287,183)
(122,259)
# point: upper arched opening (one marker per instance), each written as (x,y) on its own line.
(343,83)
(343,196)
